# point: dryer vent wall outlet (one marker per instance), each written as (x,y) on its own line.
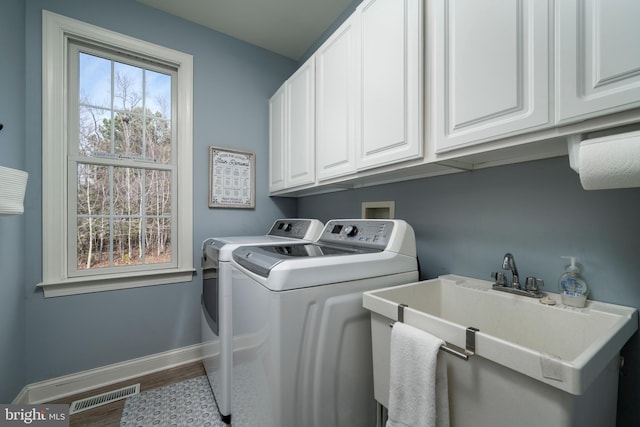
(378,210)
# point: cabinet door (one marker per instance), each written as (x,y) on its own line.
(597,57)
(300,146)
(277,137)
(336,99)
(489,68)
(391,77)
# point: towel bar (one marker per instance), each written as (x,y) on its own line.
(470,346)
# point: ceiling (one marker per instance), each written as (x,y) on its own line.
(287,27)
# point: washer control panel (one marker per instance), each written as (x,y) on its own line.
(295,228)
(365,232)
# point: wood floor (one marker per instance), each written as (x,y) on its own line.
(109,415)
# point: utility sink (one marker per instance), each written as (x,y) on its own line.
(564,347)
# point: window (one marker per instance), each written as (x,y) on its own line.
(117,152)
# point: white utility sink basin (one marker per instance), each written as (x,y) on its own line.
(561,346)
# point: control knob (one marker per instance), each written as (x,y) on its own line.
(351,230)
(288,227)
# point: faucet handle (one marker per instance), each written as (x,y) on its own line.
(500,278)
(533,283)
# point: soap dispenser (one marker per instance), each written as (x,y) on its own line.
(573,288)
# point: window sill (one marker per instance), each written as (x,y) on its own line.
(85,285)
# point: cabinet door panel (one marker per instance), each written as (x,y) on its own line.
(484,65)
(383,76)
(299,153)
(336,114)
(391,81)
(277,136)
(597,57)
(490,75)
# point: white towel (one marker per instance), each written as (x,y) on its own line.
(418,392)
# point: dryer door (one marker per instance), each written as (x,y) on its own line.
(210,298)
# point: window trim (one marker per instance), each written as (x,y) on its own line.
(56,30)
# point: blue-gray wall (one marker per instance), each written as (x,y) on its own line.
(232,84)
(12,307)
(465,223)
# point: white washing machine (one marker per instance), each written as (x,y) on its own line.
(301,338)
(216,298)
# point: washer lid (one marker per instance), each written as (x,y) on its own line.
(262,259)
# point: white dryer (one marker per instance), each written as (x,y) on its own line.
(301,339)
(216,298)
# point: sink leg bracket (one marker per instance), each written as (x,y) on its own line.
(470,347)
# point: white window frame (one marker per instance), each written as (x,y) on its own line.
(57,30)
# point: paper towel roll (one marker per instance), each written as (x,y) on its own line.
(610,162)
(13,184)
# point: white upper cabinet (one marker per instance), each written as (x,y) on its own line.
(292,131)
(277,136)
(489,69)
(300,125)
(597,57)
(391,76)
(498,78)
(336,102)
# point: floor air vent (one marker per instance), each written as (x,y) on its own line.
(103,399)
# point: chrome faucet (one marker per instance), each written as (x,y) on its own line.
(532,284)
(509,263)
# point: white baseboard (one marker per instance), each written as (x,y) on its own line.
(56,388)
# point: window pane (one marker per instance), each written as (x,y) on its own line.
(127,197)
(128,120)
(109,206)
(158,139)
(158,241)
(128,135)
(126,241)
(93,243)
(157,193)
(158,93)
(95,81)
(95,131)
(127,87)
(93,190)
(124,111)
